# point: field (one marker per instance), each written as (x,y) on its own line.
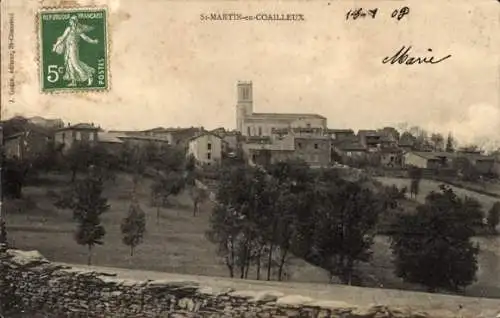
(178,244)
(427,186)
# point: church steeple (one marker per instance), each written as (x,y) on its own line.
(244,106)
(245,92)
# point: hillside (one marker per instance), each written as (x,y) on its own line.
(427,186)
(177,244)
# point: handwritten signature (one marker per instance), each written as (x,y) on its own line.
(403,57)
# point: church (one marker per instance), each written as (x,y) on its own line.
(249,123)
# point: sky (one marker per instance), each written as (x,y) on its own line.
(170,69)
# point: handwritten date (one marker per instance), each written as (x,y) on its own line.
(361,13)
(358,13)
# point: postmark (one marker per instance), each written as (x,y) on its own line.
(73,49)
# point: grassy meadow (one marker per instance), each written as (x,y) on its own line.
(177,243)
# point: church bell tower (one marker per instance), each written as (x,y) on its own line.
(244,106)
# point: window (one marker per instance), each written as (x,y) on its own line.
(245,93)
(260,131)
(248,131)
(299,145)
(315,146)
(209,156)
(63,137)
(83,136)
(308,125)
(209,146)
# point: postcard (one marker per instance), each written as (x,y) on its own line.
(344,151)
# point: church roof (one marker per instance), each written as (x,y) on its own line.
(287,115)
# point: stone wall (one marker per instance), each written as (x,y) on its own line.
(38,286)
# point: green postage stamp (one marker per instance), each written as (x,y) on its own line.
(73,48)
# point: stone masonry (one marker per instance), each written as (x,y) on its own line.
(36,285)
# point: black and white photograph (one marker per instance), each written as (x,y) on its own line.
(229,158)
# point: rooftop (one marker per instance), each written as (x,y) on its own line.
(289,115)
(132,137)
(109,138)
(334,131)
(205,133)
(80,126)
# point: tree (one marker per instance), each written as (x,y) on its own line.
(3,235)
(466,169)
(344,227)
(437,141)
(450,143)
(290,189)
(432,246)
(422,141)
(81,156)
(15,125)
(493,218)
(415,174)
(164,186)
(240,219)
(14,176)
(88,204)
(133,226)
(198,195)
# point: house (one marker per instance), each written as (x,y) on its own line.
(351,148)
(483,164)
(110,142)
(371,139)
(312,146)
(26,145)
(391,157)
(307,144)
(341,134)
(250,123)
(390,133)
(174,136)
(71,134)
(132,141)
(206,148)
(47,123)
(267,150)
(387,142)
(428,159)
(233,140)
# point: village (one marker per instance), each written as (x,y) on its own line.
(265,138)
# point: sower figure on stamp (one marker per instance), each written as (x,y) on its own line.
(68,43)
